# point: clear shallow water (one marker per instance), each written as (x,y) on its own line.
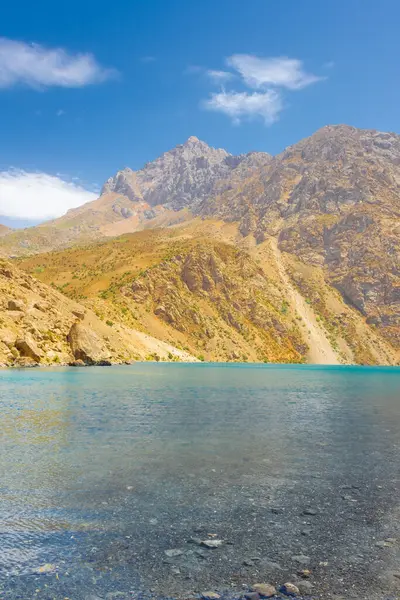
(103,469)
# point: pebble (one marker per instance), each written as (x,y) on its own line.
(194,540)
(289,589)
(47,568)
(310,512)
(383,544)
(349,498)
(248,563)
(305,573)
(305,532)
(301,558)
(305,587)
(210,596)
(265,590)
(173,552)
(277,511)
(212,543)
(252,596)
(270,565)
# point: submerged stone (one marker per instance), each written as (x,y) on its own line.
(172,552)
(212,543)
(266,590)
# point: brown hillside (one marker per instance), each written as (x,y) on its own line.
(39,325)
(191,286)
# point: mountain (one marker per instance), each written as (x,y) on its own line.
(332,200)
(201,287)
(182,177)
(158,194)
(323,218)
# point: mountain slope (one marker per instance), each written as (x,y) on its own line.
(332,200)
(197,286)
(39,325)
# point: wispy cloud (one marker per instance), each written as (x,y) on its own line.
(60,112)
(265,72)
(39,196)
(265,80)
(219,76)
(148,59)
(245,105)
(40,67)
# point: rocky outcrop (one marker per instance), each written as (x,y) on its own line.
(86,345)
(222,302)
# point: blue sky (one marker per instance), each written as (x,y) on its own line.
(88,87)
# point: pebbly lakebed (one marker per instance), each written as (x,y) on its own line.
(117,482)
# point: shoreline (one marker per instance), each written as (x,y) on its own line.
(106,363)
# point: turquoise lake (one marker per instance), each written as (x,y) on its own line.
(103,470)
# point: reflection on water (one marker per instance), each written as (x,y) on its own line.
(94,456)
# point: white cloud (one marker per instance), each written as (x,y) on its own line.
(220,76)
(265,72)
(245,105)
(38,196)
(265,80)
(36,66)
(60,112)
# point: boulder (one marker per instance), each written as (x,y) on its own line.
(16,305)
(289,589)
(8,337)
(85,344)
(28,348)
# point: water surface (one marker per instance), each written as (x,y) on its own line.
(103,469)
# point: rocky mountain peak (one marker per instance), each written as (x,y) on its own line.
(192,140)
(184,176)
